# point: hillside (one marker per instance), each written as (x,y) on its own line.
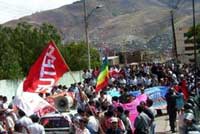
(118,22)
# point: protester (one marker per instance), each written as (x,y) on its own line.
(18,129)
(142,122)
(149,104)
(35,127)
(129,127)
(5,103)
(190,125)
(111,113)
(171,108)
(179,100)
(122,117)
(114,129)
(80,126)
(93,123)
(24,120)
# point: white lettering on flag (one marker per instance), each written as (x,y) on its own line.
(47,70)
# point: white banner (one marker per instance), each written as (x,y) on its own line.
(30,103)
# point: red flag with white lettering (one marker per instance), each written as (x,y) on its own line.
(46,71)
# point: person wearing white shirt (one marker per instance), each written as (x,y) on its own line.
(134,81)
(5,103)
(93,123)
(35,127)
(24,121)
(10,123)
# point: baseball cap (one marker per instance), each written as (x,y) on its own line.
(189,116)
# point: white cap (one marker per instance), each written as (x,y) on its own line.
(189,116)
(114,119)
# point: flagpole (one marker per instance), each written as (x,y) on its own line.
(76,82)
(65,62)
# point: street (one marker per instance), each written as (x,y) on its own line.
(162,125)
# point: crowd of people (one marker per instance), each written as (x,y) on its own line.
(15,121)
(100,113)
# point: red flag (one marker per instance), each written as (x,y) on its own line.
(184,89)
(46,71)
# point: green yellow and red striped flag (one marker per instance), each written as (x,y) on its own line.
(103,78)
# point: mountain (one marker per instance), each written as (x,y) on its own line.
(118,22)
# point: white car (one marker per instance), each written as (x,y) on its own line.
(57,123)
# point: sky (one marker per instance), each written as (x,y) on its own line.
(14,9)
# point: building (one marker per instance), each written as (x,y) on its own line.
(113,60)
(185,48)
(145,56)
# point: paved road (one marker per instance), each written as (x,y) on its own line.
(162,125)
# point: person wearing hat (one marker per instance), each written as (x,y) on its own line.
(80,126)
(114,129)
(190,124)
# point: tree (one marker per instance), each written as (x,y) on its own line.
(189,39)
(76,56)
(9,64)
(189,35)
(21,46)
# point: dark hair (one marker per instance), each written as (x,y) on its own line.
(149,102)
(115,98)
(5,99)
(48,94)
(84,120)
(21,113)
(104,106)
(41,95)
(126,112)
(2,113)
(139,108)
(120,109)
(142,103)
(89,112)
(18,127)
(79,110)
(102,92)
(91,102)
(109,113)
(34,118)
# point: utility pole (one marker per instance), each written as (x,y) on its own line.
(86,32)
(174,36)
(195,48)
(86,17)
(124,51)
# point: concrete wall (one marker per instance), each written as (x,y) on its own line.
(11,88)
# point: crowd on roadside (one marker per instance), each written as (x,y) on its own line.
(101,113)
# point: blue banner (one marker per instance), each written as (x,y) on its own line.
(113,93)
(157,94)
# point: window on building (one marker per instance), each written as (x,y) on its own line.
(188,41)
(191,60)
(189,48)
(189,54)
